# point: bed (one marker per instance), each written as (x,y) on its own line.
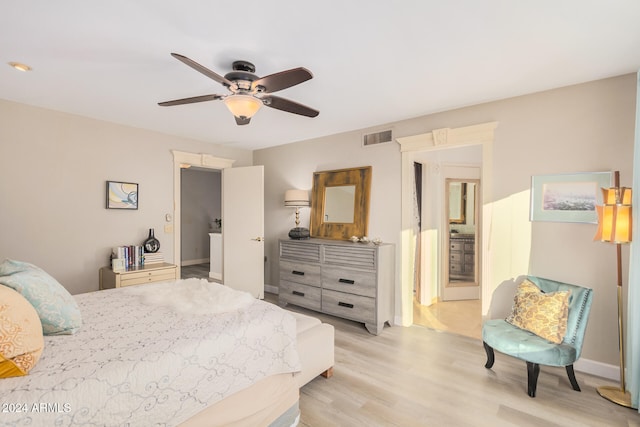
(165,354)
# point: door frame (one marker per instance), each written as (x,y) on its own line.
(410,146)
(183,159)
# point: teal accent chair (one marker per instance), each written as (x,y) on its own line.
(499,335)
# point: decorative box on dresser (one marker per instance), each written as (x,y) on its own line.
(149,273)
(344,279)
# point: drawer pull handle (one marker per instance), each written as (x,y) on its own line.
(298,273)
(344,304)
(300,294)
(347,281)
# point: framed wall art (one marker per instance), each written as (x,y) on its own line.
(568,197)
(122,195)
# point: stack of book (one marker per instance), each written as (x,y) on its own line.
(133,256)
(153,258)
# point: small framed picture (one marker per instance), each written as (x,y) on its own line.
(568,197)
(122,195)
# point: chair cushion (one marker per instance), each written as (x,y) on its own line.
(544,314)
(525,345)
(57,309)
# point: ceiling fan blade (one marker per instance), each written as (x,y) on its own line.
(242,120)
(204,70)
(282,80)
(289,106)
(191,100)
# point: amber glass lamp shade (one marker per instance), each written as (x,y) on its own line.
(614,216)
(244,106)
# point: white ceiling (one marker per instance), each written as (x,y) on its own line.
(374,62)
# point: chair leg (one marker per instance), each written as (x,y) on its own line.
(490,355)
(533,369)
(572,378)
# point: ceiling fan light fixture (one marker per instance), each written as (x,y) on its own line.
(244,106)
(20,66)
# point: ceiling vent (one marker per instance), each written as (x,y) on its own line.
(377,138)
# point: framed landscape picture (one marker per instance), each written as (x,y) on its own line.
(122,195)
(568,197)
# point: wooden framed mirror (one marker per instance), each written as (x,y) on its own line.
(340,203)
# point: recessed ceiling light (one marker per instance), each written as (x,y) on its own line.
(20,66)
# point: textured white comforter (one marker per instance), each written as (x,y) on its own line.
(144,359)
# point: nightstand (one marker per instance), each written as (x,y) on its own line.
(160,272)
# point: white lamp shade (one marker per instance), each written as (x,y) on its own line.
(242,105)
(296,198)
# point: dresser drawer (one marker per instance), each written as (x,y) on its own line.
(300,272)
(141,277)
(455,256)
(469,247)
(354,307)
(351,281)
(455,246)
(455,267)
(352,255)
(302,295)
(299,251)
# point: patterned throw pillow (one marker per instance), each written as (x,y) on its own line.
(544,314)
(58,310)
(21,341)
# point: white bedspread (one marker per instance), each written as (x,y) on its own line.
(142,360)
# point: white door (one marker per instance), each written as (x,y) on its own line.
(243,229)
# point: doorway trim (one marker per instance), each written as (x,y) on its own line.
(437,139)
(183,159)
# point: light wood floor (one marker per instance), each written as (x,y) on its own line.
(458,317)
(417,376)
(421,376)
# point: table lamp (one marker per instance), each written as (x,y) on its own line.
(297,199)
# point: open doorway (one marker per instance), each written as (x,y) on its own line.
(412,149)
(201,223)
(450,290)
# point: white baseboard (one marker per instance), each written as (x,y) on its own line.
(604,370)
(194,261)
(271,289)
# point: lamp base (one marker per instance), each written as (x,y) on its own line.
(299,233)
(615,395)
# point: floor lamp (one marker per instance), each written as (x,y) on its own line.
(614,226)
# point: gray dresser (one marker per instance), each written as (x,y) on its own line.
(344,279)
(462,257)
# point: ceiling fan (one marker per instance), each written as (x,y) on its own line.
(248,91)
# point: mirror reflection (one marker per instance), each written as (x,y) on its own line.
(457,205)
(339,204)
(462,232)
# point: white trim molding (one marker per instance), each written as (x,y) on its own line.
(599,369)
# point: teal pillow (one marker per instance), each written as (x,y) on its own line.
(57,309)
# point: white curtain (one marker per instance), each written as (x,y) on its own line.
(633,300)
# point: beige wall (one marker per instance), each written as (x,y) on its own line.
(53,168)
(581,128)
